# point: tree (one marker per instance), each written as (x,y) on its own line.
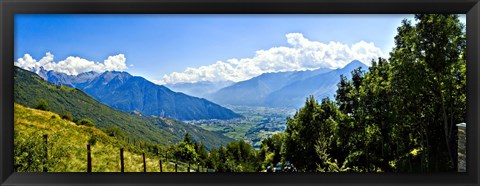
(376,103)
(271,150)
(201,152)
(427,60)
(187,138)
(185,152)
(300,133)
(311,123)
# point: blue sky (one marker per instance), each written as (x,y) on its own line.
(158,45)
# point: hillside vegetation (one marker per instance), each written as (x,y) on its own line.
(30,89)
(67,146)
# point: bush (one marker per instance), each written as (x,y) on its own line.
(67,116)
(92,141)
(114,131)
(29,153)
(42,105)
(86,122)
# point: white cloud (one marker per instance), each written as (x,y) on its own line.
(72,65)
(302,54)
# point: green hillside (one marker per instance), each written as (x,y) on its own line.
(30,89)
(67,151)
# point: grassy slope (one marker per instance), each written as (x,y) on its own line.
(67,144)
(30,88)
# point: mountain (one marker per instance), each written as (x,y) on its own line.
(284,89)
(64,79)
(320,86)
(199,89)
(254,91)
(29,89)
(125,92)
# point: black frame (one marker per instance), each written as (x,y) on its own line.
(8,8)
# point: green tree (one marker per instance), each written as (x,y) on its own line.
(185,152)
(187,138)
(311,123)
(201,152)
(271,150)
(300,133)
(427,61)
(376,103)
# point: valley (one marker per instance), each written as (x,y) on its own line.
(257,124)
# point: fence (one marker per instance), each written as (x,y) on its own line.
(122,160)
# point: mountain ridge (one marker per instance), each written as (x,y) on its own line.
(30,88)
(128,93)
(284,89)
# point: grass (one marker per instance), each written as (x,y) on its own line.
(67,145)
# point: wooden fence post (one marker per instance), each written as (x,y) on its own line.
(160,164)
(45,140)
(166,157)
(122,166)
(144,163)
(89,159)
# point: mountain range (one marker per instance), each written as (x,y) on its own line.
(125,92)
(29,89)
(284,89)
(199,89)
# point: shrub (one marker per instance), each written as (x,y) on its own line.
(67,116)
(114,131)
(86,122)
(92,141)
(42,105)
(29,153)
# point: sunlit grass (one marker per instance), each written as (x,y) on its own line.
(67,144)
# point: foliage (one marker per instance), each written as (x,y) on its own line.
(271,150)
(42,105)
(187,139)
(29,87)
(86,122)
(237,156)
(29,153)
(399,116)
(92,141)
(66,146)
(115,131)
(67,115)
(185,152)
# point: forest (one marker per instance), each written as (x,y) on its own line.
(398,115)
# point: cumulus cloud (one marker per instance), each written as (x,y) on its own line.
(301,54)
(72,65)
